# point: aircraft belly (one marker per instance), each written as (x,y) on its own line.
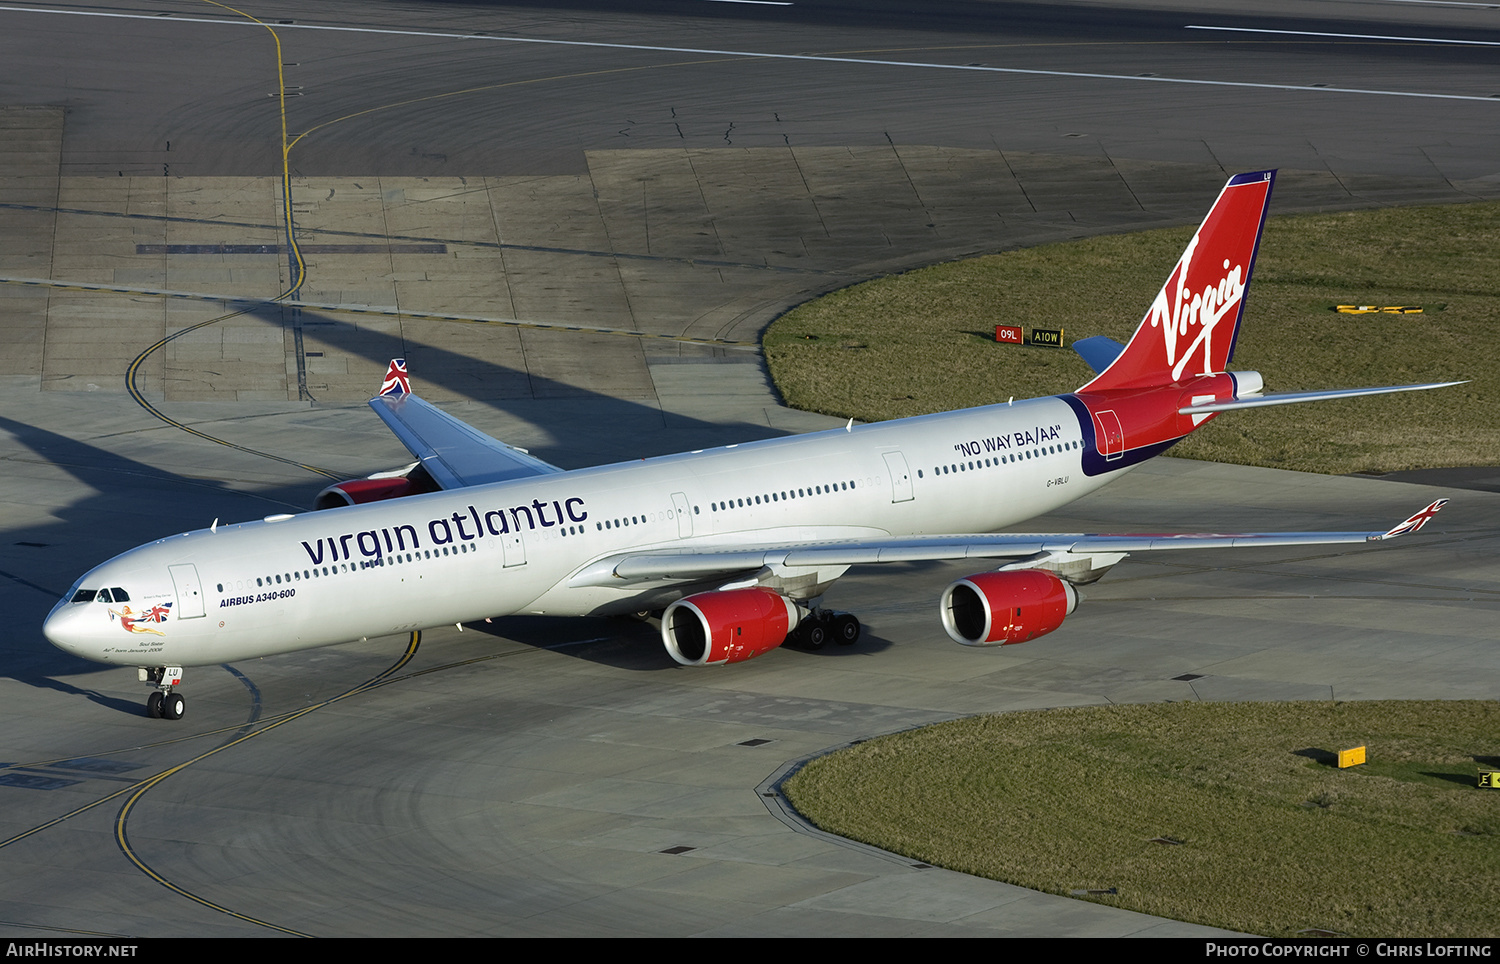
(369,604)
(378,600)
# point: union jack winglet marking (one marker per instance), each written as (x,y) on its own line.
(397,382)
(1417,521)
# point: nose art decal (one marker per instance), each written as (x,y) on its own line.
(132,622)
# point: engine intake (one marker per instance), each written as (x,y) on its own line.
(999,608)
(714,628)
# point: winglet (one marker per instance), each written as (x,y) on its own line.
(1415,522)
(397,382)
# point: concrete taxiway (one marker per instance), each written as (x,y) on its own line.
(593,290)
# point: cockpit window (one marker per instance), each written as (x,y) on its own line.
(104,595)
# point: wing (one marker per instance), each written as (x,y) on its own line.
(667,565)
(453,453)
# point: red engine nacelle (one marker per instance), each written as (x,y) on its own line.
(998,608)
(377,488)
(713,628)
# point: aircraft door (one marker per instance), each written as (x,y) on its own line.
(684,515)
(513,548)
(1111,437)
(189,590)
(901,490)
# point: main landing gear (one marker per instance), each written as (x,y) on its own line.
(166,703)
(823,625)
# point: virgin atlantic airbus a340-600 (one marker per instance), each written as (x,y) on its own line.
(734,546)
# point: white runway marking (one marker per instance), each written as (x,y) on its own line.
(1446,3)
(764,55)
(1349,36)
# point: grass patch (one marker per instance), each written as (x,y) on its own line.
(1270,837)
(923,341)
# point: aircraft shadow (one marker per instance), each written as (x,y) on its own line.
(618,429)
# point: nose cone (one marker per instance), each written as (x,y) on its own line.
(69,629)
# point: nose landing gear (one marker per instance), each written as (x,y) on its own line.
(166,703)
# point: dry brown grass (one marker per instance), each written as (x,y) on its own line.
(1273,840)
(924,341)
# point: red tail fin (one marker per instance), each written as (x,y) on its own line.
(1192,325)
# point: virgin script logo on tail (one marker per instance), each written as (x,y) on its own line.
(1202,309)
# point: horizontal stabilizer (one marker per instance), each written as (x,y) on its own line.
(1099,351)
(1292,398)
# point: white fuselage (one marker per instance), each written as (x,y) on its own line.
(296,582)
